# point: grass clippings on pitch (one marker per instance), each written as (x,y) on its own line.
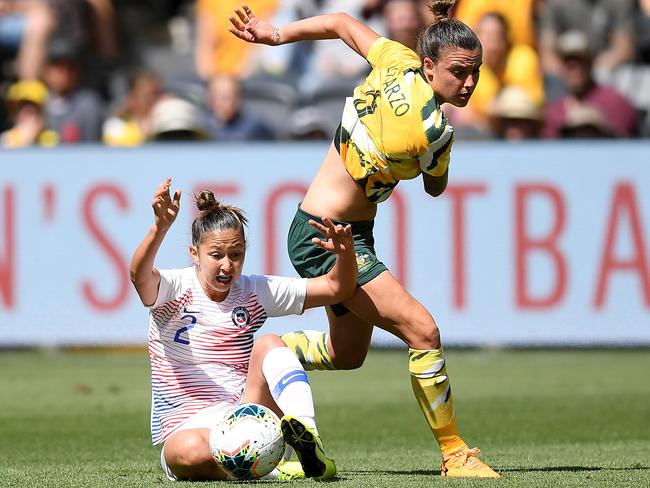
(541,418)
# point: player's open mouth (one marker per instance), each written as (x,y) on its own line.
(224,279)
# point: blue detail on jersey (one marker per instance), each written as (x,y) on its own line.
(160,406)
(291,377)
(177,337)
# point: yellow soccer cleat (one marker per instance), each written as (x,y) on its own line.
(308,447)
(463,463)
(289,471)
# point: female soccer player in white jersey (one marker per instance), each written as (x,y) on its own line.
(201,326)
(392,129)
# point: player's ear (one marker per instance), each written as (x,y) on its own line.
(428,67)
(194,254)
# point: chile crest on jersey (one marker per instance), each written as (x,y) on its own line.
(241,317)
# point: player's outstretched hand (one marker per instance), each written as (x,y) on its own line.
(251,29)
(338,238)
(164,207)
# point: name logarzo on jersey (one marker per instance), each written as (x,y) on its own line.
(392,127)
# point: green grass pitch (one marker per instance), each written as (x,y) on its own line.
(541,418)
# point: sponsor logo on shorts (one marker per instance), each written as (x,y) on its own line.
(241,317)
(363,261)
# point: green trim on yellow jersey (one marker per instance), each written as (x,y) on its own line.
(392,127)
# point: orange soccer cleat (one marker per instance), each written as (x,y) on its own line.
(463,463)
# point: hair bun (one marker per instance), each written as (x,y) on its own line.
(440,9)
(206,201)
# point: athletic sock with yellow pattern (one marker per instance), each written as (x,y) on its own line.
(433,393)
(311,348)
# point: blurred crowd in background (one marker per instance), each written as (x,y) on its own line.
(127,72)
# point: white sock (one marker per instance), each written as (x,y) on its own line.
(289,385)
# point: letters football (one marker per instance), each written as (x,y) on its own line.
(248,443)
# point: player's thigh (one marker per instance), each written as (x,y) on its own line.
(349,339)
(384,302)
(187,454)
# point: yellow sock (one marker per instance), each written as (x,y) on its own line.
(433,393)
(311,348)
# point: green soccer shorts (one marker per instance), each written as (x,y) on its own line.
(311,261)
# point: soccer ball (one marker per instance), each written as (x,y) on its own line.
(248,443)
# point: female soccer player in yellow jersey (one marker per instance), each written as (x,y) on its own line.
(392,128)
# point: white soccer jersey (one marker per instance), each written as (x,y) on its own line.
(199,349)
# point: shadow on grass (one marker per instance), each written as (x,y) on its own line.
(548,469)
(422,472)
(573,468)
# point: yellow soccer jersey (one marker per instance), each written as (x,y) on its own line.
(392,127)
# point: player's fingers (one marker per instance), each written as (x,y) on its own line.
(248,11)
(242,16)
(237,25)
(330,226)
(165,196)
(318,242)
(233,26)
(328,222)
(165,186)
(162,187)
(237,33)
(341,231)
(319,227)
(177,198)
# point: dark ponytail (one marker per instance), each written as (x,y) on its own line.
(215,216)
(440,9)
(444,32)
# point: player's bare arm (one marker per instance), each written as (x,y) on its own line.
(144,275)
(250,28)
(340,282)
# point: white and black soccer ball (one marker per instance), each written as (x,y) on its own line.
(248,443)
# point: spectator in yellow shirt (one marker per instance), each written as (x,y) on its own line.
(504,64)
(131,124)
(217,51)
(25,100)
(519,14)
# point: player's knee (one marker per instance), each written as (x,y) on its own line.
(267,342)
(191,452)
(423,333)
(349,361)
